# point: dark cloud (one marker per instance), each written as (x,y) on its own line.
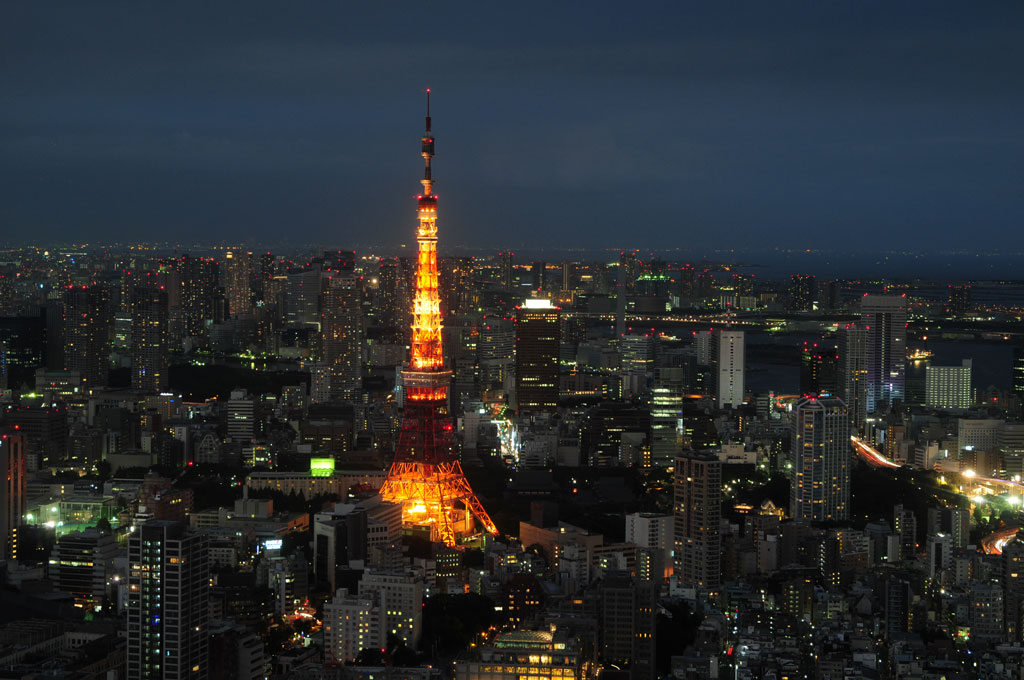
(703,125)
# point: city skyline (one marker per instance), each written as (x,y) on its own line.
(879,121)
(710,365)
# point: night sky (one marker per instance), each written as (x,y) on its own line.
(703,125)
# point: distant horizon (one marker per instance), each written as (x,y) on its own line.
(768,264)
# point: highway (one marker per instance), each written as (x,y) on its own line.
(993,543)
(871,455)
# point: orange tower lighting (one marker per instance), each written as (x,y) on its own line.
(426,478)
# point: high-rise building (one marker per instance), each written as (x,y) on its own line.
(86,326)
(342,334)
(630,268)
(505,269)
(302,298)
(149,339)
(168,602)
(237,282)
(538,332)
(426,477)
(200,282)
(853,373)
(803,292)
(698,513)
(949,387)
(885,319)
(539,270)
(958,304)
(496,351)
(820,481)
(727,368)
(12,492)
(819,369)
(667,414)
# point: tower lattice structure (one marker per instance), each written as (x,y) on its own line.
(426,478)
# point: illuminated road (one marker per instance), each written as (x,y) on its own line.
(871,455)
(993,543)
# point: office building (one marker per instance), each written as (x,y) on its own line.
(168,602)
(538,333)
(949,387)
(698,513)
(12,492)
(885,319)
(727,365)
(241,416)
(81,563)
(352,623)
(516,654)
(667,414)
(978,435)
(626,624)
(496,351)
(821,452)
(401,597)
(149,339)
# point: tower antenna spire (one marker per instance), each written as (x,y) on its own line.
(428,109)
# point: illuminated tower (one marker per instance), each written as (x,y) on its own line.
(426,477)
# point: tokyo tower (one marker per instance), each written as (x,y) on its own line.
(426,477)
